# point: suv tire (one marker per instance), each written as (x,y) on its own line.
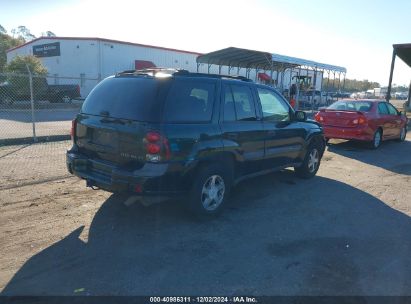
(311,162)
(210,190)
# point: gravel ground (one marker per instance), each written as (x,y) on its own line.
(32,164)
(345,232)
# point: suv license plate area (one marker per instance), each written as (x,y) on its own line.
(104,138)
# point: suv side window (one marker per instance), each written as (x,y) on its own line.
(391,109)
(273,106)
(190,101)
(382,108)
(243,102)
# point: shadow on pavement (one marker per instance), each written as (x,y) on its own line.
(386,156)
(279,235)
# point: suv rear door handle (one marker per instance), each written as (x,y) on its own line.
(271,132)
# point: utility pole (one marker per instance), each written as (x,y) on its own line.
(408,103)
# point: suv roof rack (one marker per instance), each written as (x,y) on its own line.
(149,71)
(179,72)
(187,73)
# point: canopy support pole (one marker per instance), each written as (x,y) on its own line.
(282,77)
(339,85)
(321,84)
(314,90)
(328,88)
(328,81)
(343,86)
(297,80)
(394,54)
(247,73)
(408,103)
(256,73)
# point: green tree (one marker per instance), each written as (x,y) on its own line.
(50,34)
(350,85)
(20,82)
(23,32)
(19,65)
(400,88)
(7,42)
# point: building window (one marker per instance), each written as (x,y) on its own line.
(82,79)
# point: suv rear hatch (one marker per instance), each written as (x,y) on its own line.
(117,117)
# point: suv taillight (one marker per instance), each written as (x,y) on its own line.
(157,147)
(73,129)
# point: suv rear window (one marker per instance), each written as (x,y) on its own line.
(134,98)
(190,101)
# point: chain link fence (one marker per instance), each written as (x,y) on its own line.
(35,108)
(35,122)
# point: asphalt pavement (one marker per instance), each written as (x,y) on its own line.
(17,123)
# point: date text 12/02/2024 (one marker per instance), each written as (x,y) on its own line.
(239,299)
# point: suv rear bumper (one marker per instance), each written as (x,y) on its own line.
(152,180)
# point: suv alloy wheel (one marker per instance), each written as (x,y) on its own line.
(311,162)
(210,190)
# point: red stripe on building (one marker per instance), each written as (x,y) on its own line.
(105,40)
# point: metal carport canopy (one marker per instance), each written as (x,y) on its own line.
(404,52)
(243,58)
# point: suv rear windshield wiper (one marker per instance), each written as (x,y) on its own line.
(248,119)
(110,120)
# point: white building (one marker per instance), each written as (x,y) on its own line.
(88,60)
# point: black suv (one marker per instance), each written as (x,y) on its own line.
(155,134)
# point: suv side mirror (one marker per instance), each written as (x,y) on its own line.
(300,116)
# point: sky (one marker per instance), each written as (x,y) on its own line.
(354,34)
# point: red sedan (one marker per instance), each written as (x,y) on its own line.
(366,120)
